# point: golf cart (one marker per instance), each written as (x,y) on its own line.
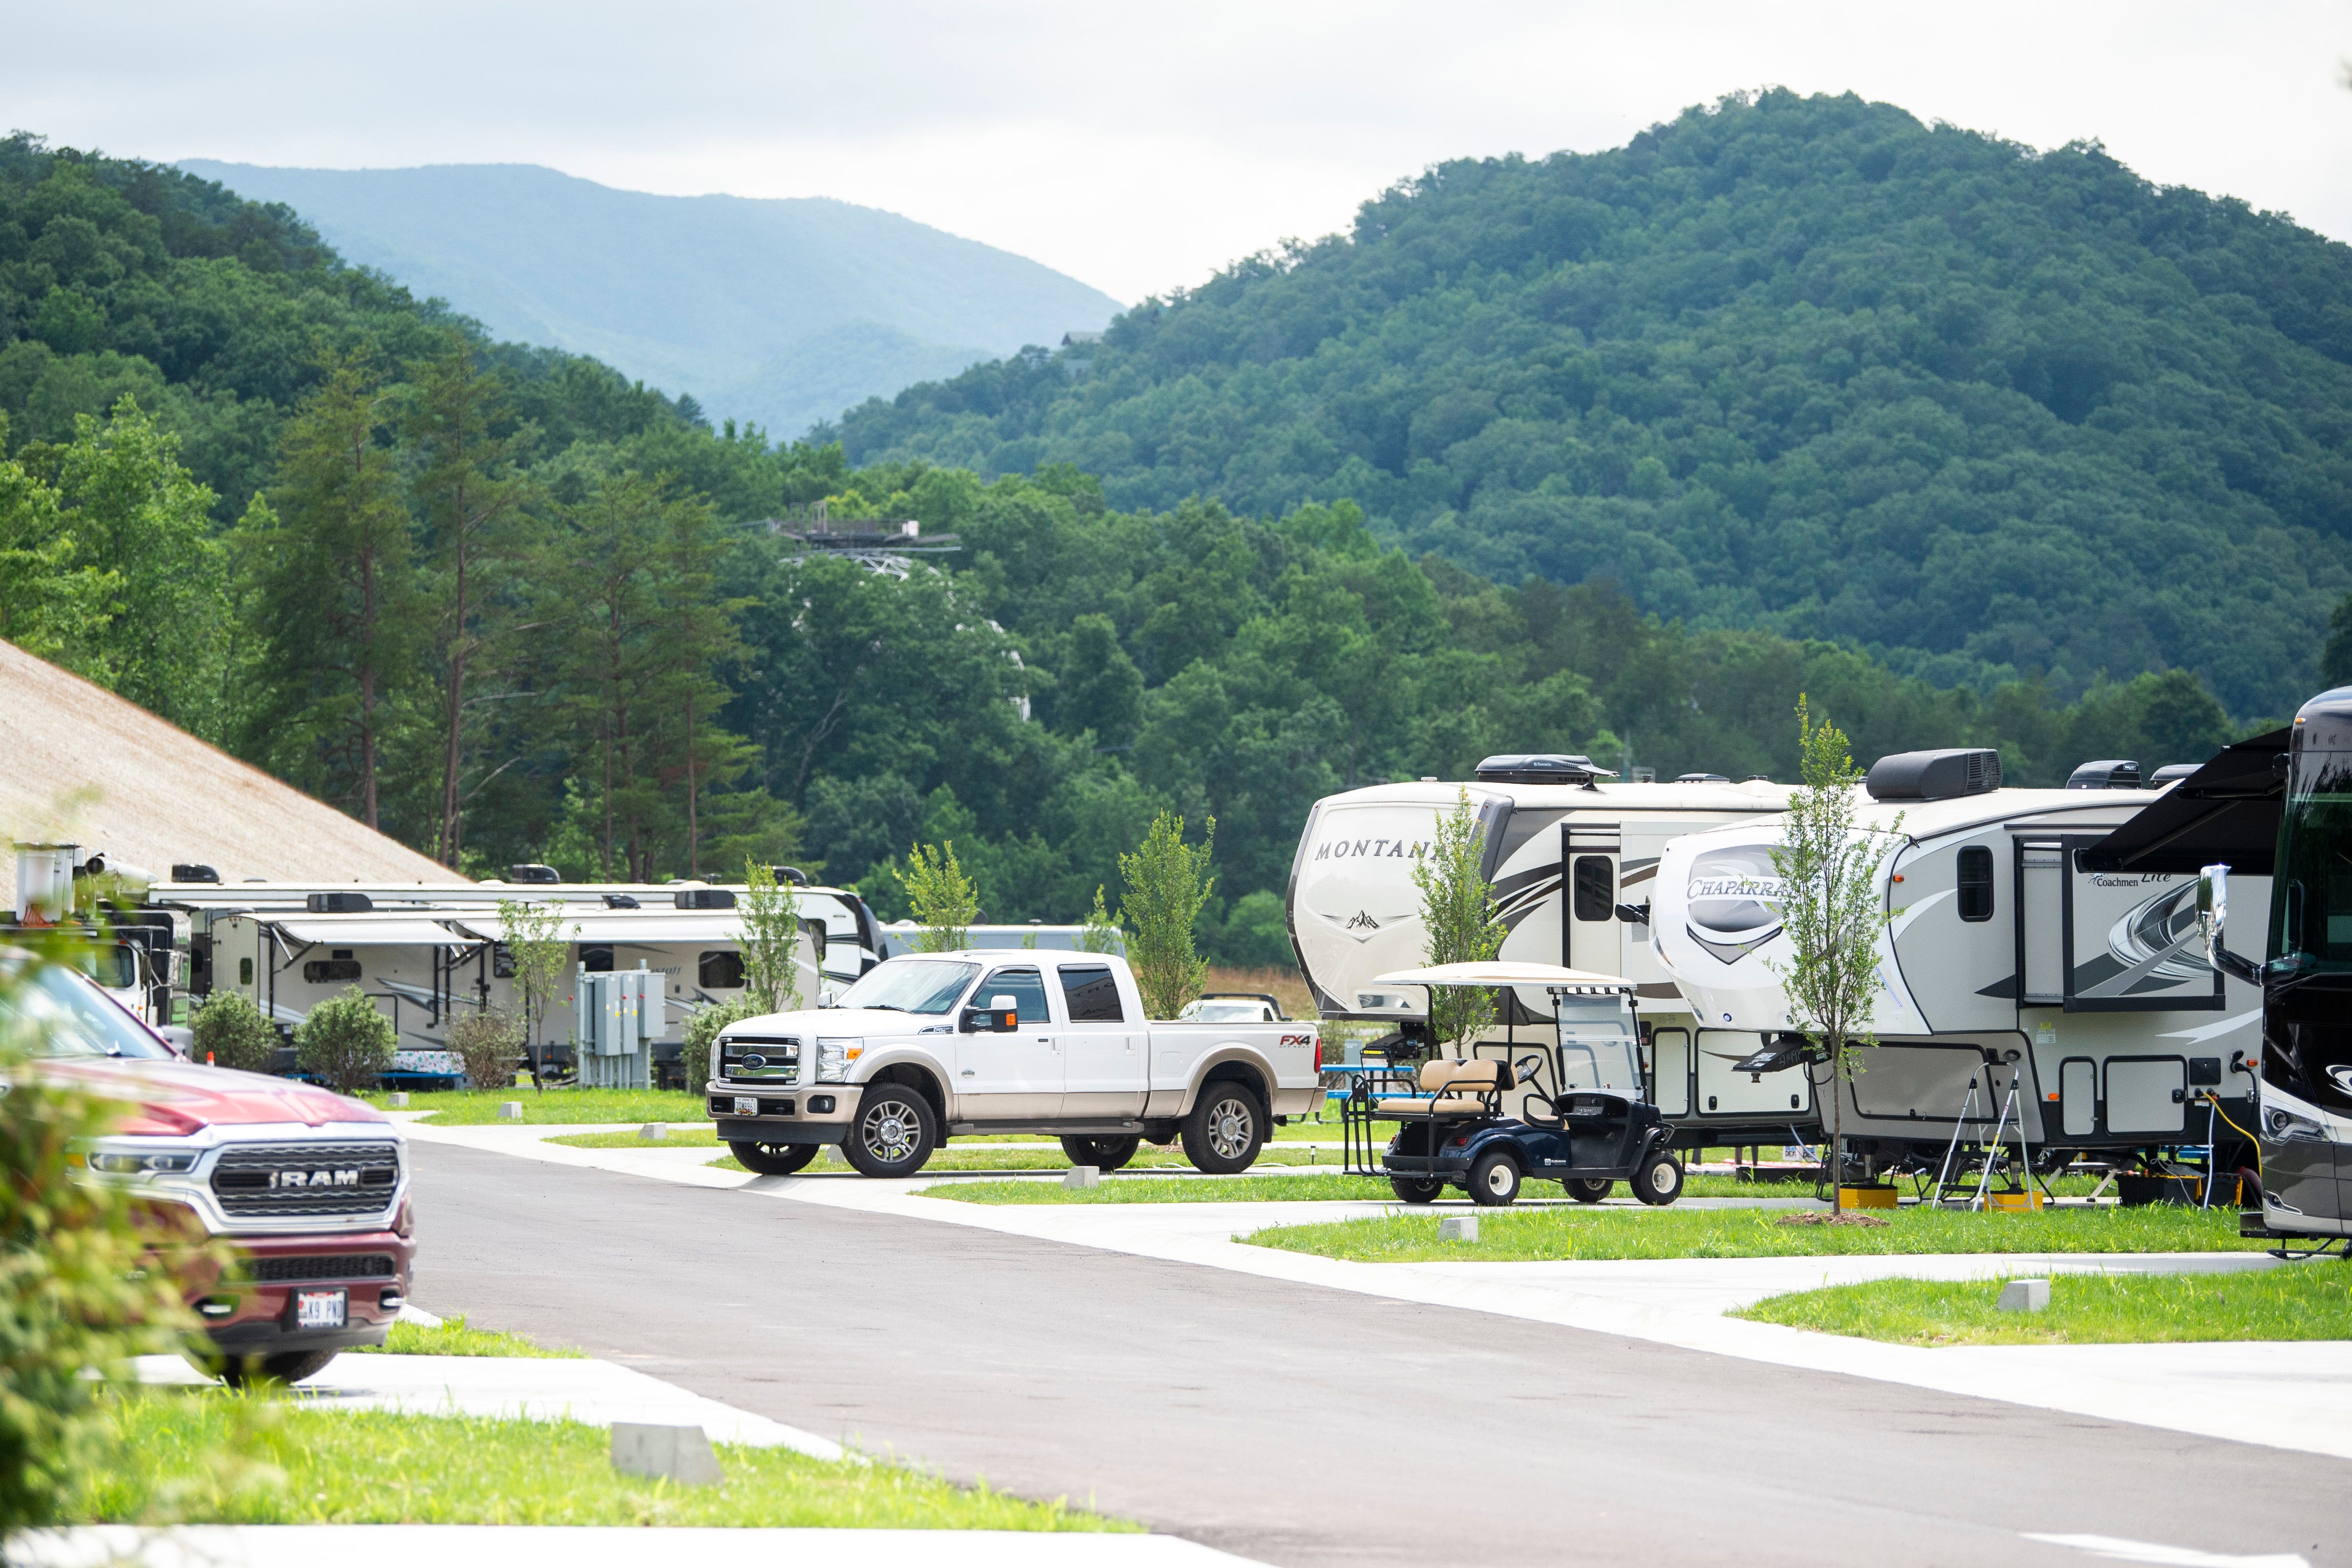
(1576,1113)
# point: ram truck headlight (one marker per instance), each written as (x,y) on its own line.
(834,1057)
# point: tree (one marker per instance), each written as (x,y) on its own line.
(50,606)
(1167,884)
(944,899)
(472,503)
(1831,913)
(1459,923)
(538,946)
(332,597)
(1101,934)
(695,633)
(2336,658)
(770,911)
(484,1043)
(345,1042)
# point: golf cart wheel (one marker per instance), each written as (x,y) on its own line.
(893,1134)
(1225,1130)
(1104,1154)
(1659,1181)
(1586,1190)
(1416,1190)
(1494,1180)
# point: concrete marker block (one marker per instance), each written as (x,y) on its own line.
(511,1112)
(680,1454)
(397,1100)
(1458,1228)
(2025,1296)
(1082,1175)
(654,1132)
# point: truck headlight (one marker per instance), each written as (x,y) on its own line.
(834,1057)
(116,1163)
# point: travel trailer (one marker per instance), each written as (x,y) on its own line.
(2022,974)
(1574,856)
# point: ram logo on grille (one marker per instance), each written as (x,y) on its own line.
(348,1176)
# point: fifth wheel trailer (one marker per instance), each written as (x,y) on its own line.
(1571,852)
(2010,957)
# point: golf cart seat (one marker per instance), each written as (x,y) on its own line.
(1462,1088)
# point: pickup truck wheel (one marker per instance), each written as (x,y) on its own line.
(1659,1181)
(1416,1190)
(894,1133)
(253,1371)
(1104,1154)
(1225,1130)
(1494,1180)
(1585,1191)
(774,1159)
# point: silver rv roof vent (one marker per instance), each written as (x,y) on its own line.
(1944,775)
(1701,778)
(1541,767)
(2109,775)
(2171,771)
(537,873)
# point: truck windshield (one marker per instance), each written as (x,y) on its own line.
(1597,1045)
(113,966)
(910,985)
(56,1012)
(2311,898)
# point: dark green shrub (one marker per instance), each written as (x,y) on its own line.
(345,1043)
(231,1032)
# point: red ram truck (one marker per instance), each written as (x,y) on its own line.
(310,1189)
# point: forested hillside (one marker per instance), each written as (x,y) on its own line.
(507,606)
(1797,364)
(778,312)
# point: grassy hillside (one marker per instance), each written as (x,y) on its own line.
(1799,364)
(782,312)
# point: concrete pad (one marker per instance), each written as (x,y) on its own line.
(505,1545)
(599,1393)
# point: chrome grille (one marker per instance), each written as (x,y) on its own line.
(744,1059)
(263,1180)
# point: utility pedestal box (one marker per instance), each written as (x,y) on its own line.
(618,1017)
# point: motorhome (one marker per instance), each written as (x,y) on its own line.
(2019,973)
(1572,854)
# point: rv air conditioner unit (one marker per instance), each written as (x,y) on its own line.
(789,873)
(540,874)
(705,898)
(2110,775)
(1944,775)
(1546,767)
(340,904)
(184,871)
(2171,771)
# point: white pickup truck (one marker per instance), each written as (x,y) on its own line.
(938,1045)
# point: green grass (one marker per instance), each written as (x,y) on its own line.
(472,1107)
(452,1337)
(1544,1235)
(364,1467)
(2310,1301)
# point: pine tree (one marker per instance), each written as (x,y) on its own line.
(1459,923)
(331,596)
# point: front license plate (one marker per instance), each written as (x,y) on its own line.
(746,1106)
(321,1309)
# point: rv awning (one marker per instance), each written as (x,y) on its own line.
(2227,813)
(633,926)
(1498,972)
(359,931)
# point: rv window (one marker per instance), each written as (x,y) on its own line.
(1596,887)
(501,961)
(1976,883)
(331,971)
(244,971)
(1092,995)
(721,971)
(596,958)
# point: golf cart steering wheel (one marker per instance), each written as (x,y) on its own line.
(1525,1068)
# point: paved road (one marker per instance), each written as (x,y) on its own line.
(1308,1426)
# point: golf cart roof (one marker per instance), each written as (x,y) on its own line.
(1504,972)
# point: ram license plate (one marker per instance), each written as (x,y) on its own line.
(745,1105)
(321,1309)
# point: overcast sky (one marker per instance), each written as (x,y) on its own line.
(1139,147)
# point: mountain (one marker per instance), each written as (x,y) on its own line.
(1802,364)
(782,312)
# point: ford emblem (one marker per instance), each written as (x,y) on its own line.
(755,1061)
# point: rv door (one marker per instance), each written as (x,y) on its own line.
(2041,921)
(1588,939)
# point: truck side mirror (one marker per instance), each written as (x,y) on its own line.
(824,997)
(1001,1016)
